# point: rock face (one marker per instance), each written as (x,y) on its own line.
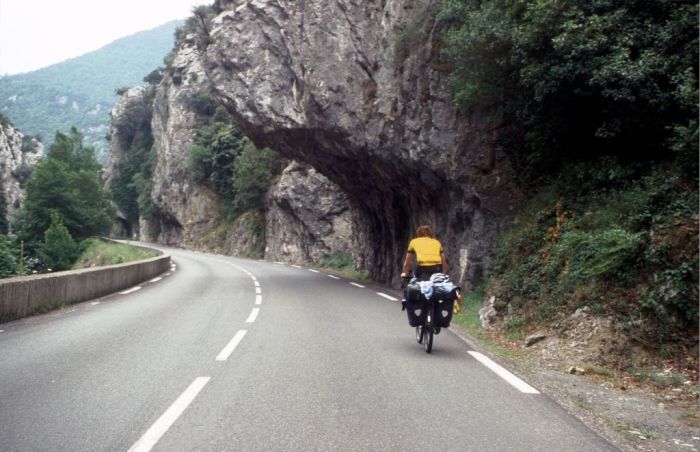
(308,217)
(185,210)
(130,119)
(17,155)
(358,91)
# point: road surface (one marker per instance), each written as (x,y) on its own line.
(234,354)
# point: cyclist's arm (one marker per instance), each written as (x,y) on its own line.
(407,263)
(445,266)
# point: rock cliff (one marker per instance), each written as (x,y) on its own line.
(358,91)
(18,154)
(295,226)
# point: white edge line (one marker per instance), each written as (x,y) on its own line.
(388,297)
(133,289)
(314,271)
(333,276)
(94,303)
(357,285)
(253,315)
(519,384)
(258,299)
(155,279)
(158,429)
(231,346)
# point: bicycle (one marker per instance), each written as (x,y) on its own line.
(426,318)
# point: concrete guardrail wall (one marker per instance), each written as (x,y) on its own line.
(25,295)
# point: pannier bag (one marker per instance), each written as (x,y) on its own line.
(415,305)
(443,312)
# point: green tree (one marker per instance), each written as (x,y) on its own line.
(8,258)
(66,183)
(58,250)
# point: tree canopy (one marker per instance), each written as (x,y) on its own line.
(575,79)
(66,183)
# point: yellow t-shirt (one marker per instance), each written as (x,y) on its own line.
(427,251)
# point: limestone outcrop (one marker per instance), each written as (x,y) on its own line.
(308,217)
(358,91)
(18,154)
(184,209)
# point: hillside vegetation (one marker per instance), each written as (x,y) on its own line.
(80,92)
(596,103)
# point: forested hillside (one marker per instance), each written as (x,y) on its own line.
(80,92)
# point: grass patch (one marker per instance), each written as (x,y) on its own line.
(468,319)
(343,264)
(97,253)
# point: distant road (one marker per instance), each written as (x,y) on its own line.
(233,354)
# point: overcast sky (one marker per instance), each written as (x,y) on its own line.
(38,33)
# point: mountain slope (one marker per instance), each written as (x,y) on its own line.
(81,91)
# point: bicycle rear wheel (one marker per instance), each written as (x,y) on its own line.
(419,334)
(428,339)
(428,332)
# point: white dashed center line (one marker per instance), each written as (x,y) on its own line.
(253,315)
(155,279)
(231,346)
(333,276)
(296,266)
(258,290)
(157,430)
(314,271)
(258,299)
(388,297)
(357,285)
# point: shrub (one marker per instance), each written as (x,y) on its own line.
(627,247)
(58,250)
(8,258)
(573,80)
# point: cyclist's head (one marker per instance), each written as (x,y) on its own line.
(424,231)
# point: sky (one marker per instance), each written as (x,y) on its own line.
(38,33)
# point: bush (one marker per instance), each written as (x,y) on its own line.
(569,79)
(8,258)
(337,260)
(58,250)
(624,245)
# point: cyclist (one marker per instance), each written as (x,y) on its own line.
(430,257)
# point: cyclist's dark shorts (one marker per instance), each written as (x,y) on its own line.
(424,273)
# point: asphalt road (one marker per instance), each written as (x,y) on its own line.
(232,354)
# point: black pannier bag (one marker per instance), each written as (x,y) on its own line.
(415,305)
(444,307)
